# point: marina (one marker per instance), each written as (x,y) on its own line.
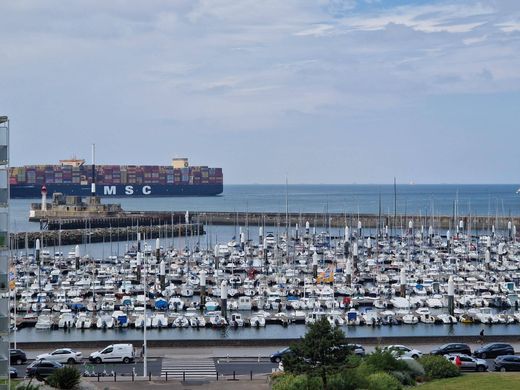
(269,284)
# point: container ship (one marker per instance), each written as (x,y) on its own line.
(74,177)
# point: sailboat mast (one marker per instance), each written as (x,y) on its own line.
(395,205)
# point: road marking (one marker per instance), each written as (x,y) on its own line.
(190,368)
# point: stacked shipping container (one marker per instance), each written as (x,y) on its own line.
(40,175)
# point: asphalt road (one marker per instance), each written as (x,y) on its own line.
(222,366)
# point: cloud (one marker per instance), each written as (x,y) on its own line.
(454,18)
(318,31)
(197,70)
(509,27)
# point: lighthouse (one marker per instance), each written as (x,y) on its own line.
(44,198)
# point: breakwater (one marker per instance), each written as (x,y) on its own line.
(104,235)
(125,219)
(340,220)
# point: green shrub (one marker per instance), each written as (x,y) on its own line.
(65,378)
(385,361)
(414,368)
(348,379)
(403,377)
(353,361)
(297,382)
(383,381)
(27,386)
(363,371)
(437,367)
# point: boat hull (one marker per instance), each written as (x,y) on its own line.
(119,190)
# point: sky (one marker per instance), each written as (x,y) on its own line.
(322,91)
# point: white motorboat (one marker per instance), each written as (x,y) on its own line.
(217,321)
(314,316)
(447,319)
(335,319)
(120,319)
(257,321)
(244,303)
(176,304)
(105,321)
(159,320)
(83,321)
(66,319)
(410,319)
(44,320)
(180,322)
(211,305)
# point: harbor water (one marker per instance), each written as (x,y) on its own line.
(293,331)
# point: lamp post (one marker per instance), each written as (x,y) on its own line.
(145,294)
(38,263)
(202,280)
(76,255)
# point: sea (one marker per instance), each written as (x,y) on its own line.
(442,199)
(419,199)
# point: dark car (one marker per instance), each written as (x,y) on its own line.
(493,350)
(356,349)
(42,368)
(278,355)
(507,363)
(17,356)
(13,373)
(448,349)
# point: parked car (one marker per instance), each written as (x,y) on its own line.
(17,356)
(507,363)
(62,355)
(356,349)
(447,349)
(13,372)
(494,350)
(114,353)
(278,355)
(468,363)
(42,368)
(403,351)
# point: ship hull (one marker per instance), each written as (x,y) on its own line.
(119,190)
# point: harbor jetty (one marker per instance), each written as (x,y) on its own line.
(54,238)
(331,220)
(340,220)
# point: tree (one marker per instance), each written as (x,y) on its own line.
(323,350)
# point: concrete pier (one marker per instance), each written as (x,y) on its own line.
(340,220)
(82,236)
(124,219)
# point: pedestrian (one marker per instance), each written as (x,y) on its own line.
(458,363)
(481,339)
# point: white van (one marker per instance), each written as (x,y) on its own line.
(114,353)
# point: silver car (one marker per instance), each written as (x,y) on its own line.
(468,363)
(403,351)
(62,355)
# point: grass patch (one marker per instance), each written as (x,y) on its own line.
(484,381)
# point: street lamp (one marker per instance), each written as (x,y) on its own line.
(38,263)
(145,349)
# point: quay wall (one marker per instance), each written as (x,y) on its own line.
(187,343)
(339,220)
(105,235)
